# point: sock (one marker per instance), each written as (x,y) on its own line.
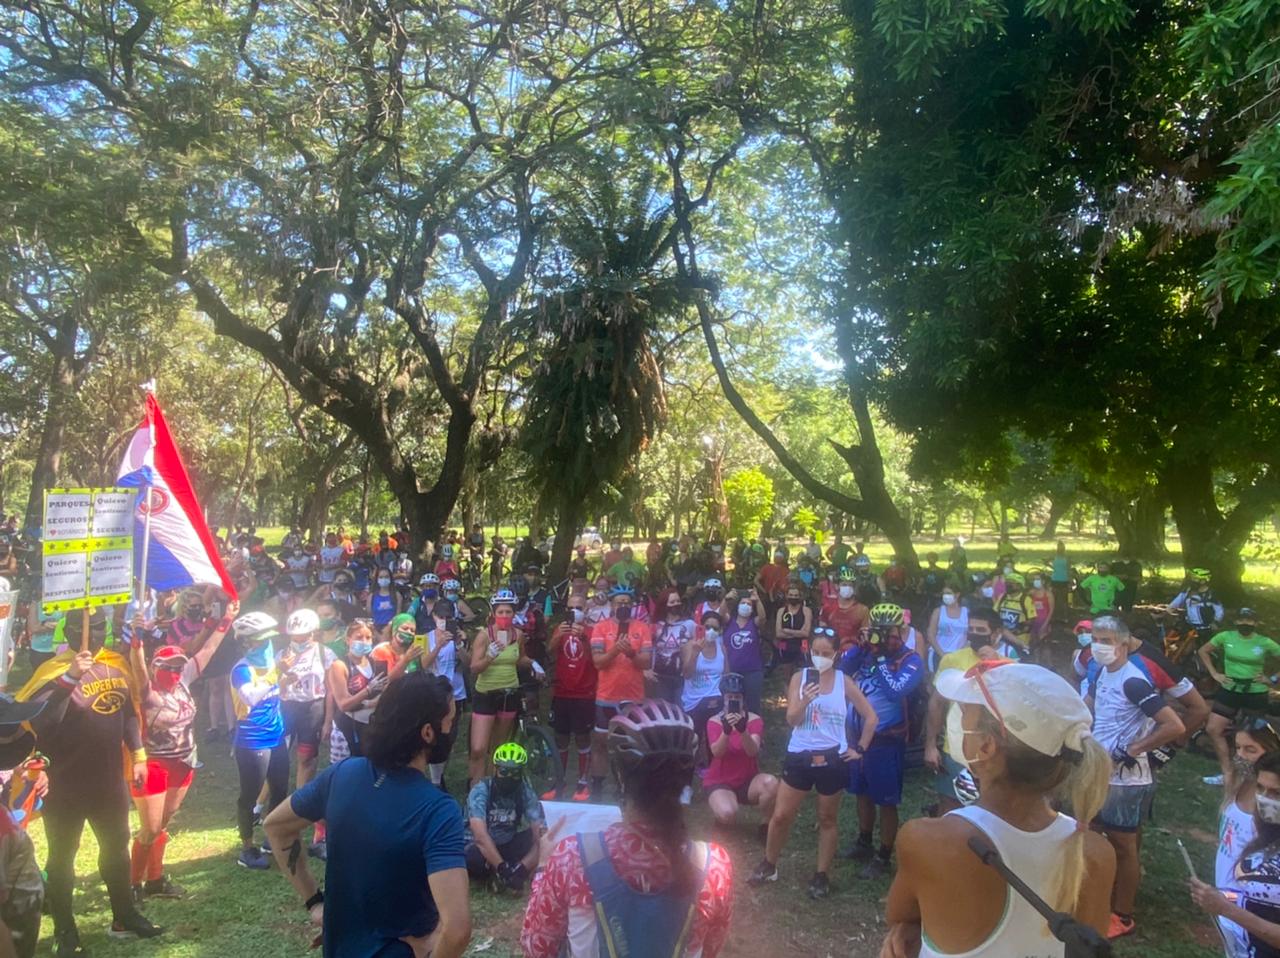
(155,861)
(864,839)
(885,853)
(320,833)
(138,862)
(584,761)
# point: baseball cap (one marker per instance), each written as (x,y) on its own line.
(1038,707)
(1246,615)
(169,656)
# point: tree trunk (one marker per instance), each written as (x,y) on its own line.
(570,510)
(1138,523)
(62,389)
(364,497)
(1058,508)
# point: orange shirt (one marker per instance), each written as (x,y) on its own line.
(773,576)
(622,679)
(848,622)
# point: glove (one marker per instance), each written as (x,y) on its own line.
(1122,757)
(512,874)
(495,650)
(378,683)
(1162,756)
(538,670)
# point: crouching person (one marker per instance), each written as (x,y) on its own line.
(505,822)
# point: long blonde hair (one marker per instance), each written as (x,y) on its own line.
(1078,781)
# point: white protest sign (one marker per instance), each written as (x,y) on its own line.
(67,514)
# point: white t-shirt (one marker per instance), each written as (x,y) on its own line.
(1124,706)
(1236,828)
(310,668)
(331,559)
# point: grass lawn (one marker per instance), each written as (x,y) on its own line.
(234,912)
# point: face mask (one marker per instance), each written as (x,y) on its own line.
(578,616)
(846,592)
(327,624)
(1245,629)
(955,736)
(166,680)
(1037,583)
(823,663)
(711,633)
(744,609)
(1269,809)
(440,624)
(1241,768)
(503,620)
(405,638)
(948,599)
(297,648)
(978,640)
(599,598)
(506,784)
(793,600)
(429,593)
(1104,655)
(1085,639)
(361,649)
(1008,569)
(988,591)
(195,613)
(257,657)
(383,581)
(623,614)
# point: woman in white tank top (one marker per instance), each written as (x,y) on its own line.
(948,627)
(1025,734)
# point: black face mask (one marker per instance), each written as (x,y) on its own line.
(623,614)
(506,784)
(1246,629)
(977,641)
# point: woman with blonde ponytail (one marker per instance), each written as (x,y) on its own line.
(1024,735)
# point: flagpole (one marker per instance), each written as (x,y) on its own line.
(150,389)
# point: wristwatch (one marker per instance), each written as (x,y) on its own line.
(316,899)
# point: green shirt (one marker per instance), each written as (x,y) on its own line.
(626,572)
(1102,591)
(840,554)
(1244,658)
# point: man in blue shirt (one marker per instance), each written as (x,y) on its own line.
(888,673)
(396,873)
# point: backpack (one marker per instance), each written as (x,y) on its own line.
(631,923)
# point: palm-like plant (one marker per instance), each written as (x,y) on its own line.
(596,396)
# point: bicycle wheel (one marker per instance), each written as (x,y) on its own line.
(544,770)
(480,606)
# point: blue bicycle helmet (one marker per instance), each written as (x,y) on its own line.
(621,589)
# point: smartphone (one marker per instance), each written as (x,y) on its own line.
(808,677)
(1191,869)
(733,703)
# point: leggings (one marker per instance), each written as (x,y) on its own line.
(108,816)
(258,765)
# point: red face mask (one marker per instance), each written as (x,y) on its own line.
(503,620)
(166,680)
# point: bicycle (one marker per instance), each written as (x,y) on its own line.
(473,574)
(543,770)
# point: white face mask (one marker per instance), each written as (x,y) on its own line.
(744,609)
(384,582)
(988,591)
(578,616)
(711,633)
(1008,569)
(823,663)
(948,599)
(1104,655)
(846,592)
(1268,809)
(955,736)
(1037,583)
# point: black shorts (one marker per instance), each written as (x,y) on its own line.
(1229,703)
(572,716)
(512,851)
(800,773)
(303,722)
(741,793)
(789,651)
(504,702)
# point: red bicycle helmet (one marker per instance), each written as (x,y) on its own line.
(652,729)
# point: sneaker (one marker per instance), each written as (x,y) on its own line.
(819,886)
(1213,779)
(319,851)
(134,926)
(253,858)
(163,888)
(551,795)
(1119,927)
(876,868)
(764,872)
(583,793)
(266,844)
(137,894)
(67,945)
(859,852)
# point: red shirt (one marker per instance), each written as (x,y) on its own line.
(735,768)
(575,671)
(848,623)
(560,904)
(622,679)
(773,577)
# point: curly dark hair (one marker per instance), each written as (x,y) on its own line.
(395,732)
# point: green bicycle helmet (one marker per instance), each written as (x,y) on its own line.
(887,614)
(510,756)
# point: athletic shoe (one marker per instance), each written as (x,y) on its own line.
(1212,779)
(163,888)
(134,926)
(1119,927)
(266,845)
(858,852)
(819,886)
(583,793)
(876,868)
(253,858)
(764,872)
(551,795)
(67,945)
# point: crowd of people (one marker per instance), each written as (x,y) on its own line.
(1043,702)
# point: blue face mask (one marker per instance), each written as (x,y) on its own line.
(258,656)
(361,649)
(429,593)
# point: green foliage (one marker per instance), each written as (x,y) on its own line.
(806,522)
(750,496)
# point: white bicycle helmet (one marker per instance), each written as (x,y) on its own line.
(503,597)
(253,626)
(302,622)
(429,578)
(451,585)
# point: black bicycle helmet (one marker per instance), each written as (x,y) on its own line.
(652,729)
(732,684)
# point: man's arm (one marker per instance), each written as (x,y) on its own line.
(932,729)
(451,893)
(284,827)
(484,841)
